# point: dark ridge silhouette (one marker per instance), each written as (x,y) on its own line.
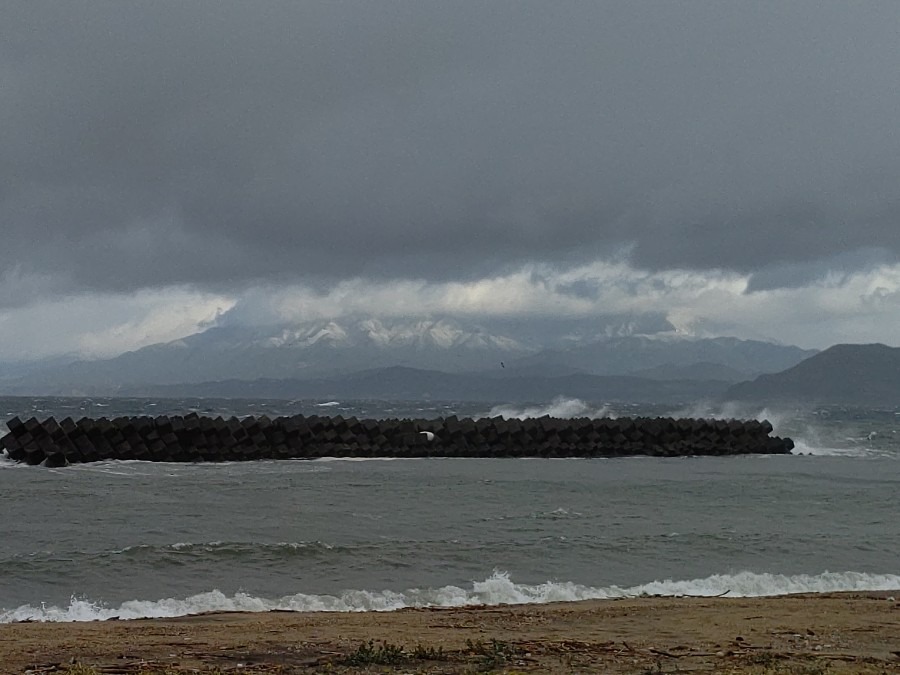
(848,374)
(400,383)
(694,371)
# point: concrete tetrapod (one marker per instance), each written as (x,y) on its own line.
(194,438)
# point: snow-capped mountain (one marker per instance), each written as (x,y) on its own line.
(337,348)
(306,350)
(418,334)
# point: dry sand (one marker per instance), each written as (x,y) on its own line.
(801,635)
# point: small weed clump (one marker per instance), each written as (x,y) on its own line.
(82,669)
(775,664)
(804,669)
(766,659)
(422,653)
(387,654)
(380,654)
(493,654)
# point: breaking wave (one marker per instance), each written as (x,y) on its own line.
(498,589)
(560,406)
(734,410)
(809,437)
(6,462)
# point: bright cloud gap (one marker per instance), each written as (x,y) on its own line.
(857,306)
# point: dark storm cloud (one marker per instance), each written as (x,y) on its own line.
(151,143)
(807,273)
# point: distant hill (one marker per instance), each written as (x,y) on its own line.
(849,374)
(404,384)
(694,371)
(635,354)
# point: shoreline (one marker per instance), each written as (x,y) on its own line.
(846,632)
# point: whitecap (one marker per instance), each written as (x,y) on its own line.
(562,407)
(497,589)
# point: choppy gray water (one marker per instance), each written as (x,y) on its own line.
(140,539)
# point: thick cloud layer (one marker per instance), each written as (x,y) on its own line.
(532,303)
(220,143)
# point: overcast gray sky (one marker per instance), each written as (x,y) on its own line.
(734,165)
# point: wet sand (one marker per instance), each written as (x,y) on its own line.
(802,635)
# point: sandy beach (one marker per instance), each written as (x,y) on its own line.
(803,634)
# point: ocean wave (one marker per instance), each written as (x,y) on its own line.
(803,446)
(7,463)
(561,407)
(498,589)
(49,561)
(325,460)
(557,514)
(809,436)
(229,548)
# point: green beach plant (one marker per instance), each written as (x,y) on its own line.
(373,653)
(493,654)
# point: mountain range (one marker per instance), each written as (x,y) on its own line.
(424,357)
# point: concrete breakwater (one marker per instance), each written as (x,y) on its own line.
(195,438)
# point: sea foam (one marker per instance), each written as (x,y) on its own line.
(6,462)
(497,589)
(560,406)
(809,438)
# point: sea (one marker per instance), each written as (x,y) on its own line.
(137,539)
